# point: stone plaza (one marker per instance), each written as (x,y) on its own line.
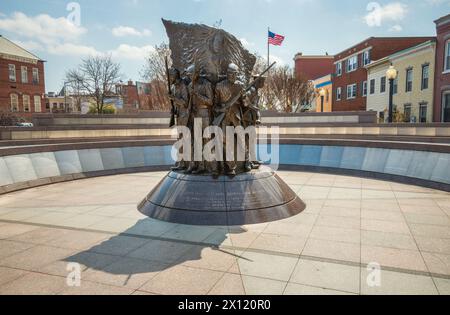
(349,224)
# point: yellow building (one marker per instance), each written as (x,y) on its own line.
(325,86)
(413,88)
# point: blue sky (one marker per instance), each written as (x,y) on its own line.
(128,29)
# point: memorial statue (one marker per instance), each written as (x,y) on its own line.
(220,93)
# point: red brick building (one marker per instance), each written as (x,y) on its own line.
(135,96)
(350,74)
(313,67)
(22,84)
(442,72)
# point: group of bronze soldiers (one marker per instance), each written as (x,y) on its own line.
(228,103)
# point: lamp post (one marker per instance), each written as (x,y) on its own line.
(391,74)
(322,96)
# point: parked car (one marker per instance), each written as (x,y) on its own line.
(25,124)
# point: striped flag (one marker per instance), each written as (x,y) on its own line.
(275,39)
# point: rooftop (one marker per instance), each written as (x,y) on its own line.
(9,48)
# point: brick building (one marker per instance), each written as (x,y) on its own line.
(135,96)
(313,67)
(22,84)
(129,94)
(442,72)
(350,74)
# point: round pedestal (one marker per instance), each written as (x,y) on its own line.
(256,197)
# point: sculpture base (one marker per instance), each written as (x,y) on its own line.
(256,197)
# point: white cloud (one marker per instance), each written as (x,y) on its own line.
(438,2)
(69,49)
(43,28)
(391,12)
(125,51)
(122,31)
(396,28)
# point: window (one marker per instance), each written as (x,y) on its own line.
(372,86)
(423,113)
(407,113)
(366,57)
(409,80)
(338,94)
(14,103)
(425,76)
(351,91)
(383,85)
(352,63)
(12,73)
(37,104)
(35,76)
(364,88)
(24,71)
(446,107)
(26,103)
(395,86)
(327,96)
(447,56)
(339,69)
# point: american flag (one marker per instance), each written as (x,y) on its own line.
(275,39)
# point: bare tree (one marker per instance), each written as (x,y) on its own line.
(97,77)
(155,72)
(76,92)
(285,92)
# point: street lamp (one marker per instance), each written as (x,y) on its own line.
(322,96)
(391,74)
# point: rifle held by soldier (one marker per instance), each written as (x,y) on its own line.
(173,110)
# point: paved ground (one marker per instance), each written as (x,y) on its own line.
(348,224)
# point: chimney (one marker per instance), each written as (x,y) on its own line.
(130,82)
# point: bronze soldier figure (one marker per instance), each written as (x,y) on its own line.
(252,112)
(201,103)
(180,97)
(230,115)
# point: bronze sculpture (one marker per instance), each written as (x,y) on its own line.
(220,93)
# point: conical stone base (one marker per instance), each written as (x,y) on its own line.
(257,197)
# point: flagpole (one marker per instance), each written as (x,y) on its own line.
(268,47)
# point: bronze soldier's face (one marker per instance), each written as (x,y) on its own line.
(232,76)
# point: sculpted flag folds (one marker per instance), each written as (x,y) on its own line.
(213,50)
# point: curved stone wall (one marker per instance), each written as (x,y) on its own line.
(424,168)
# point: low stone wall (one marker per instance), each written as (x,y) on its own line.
(429,169)
(162,118)
(122,131)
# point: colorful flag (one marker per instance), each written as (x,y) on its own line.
(275,39)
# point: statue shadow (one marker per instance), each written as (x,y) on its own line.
(129,254)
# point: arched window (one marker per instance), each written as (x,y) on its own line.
(14,103)
(26,103)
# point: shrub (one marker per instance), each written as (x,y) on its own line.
(107,110)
